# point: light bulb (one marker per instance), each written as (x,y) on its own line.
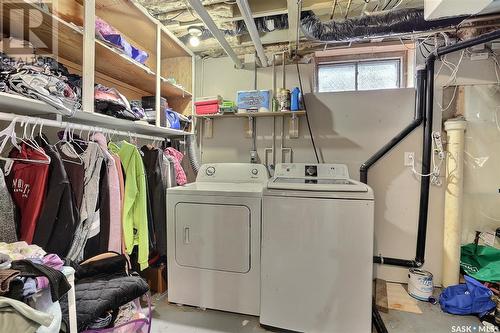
(194,41)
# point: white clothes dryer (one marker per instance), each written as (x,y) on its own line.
(214,236)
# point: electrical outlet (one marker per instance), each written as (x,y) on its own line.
(253,156)
(409,158)
(479,56)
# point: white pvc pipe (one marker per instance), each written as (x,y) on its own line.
(453,201)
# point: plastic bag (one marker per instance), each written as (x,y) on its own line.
(469,298)
(173,119)
(481,262)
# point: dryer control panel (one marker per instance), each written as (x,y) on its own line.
(233,173)
(312,170)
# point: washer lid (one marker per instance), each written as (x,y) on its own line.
(219,189)
(315,184)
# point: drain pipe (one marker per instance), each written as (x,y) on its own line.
(426,90)
(453,201)
(427,149)
(417,121)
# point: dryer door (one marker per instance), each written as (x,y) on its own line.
(213,236)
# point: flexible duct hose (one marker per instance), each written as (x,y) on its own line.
(193,155)
(382,24)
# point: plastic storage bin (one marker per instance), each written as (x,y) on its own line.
(207,107)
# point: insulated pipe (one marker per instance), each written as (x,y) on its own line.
(246,13)
(209,22)
(453,201)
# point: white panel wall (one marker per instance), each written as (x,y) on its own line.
(482,161)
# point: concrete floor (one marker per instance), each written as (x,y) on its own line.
(185,319)
(431,320)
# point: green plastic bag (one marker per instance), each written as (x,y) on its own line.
(481,262)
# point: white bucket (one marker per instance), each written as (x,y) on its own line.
(420,284)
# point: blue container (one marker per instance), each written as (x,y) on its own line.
(254,100)
(295,96)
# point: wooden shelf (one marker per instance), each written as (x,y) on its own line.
(30,107)
(109,61)
(124,14)
(132,72)
(69,37)
(253,114)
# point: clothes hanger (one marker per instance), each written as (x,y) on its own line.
(10,133)
(32,143)
(25,139)
(40,134)
(70,147)
(76,142)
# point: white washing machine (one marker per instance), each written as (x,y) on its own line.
(317,250)
(214,235)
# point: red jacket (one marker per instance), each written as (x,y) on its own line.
(28,182)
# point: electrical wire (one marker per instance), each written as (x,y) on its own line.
(347,10)
(333,9)
(436,169)
(387,5)
(397,5)
(307,114)
(175,16)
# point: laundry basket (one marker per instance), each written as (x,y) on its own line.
(134,326)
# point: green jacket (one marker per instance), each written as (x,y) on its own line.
(135,216)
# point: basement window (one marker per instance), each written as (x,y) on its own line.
(359,75)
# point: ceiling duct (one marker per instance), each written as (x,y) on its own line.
(264,25)
(382,24)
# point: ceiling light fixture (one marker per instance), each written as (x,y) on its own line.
(195,33)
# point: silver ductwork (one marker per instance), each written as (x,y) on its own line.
(193,154)
(378,25)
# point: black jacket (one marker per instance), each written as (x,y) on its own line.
(152,164)
(59,216)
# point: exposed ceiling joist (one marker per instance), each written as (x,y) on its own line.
(210,24)
(252,30)
(294,10)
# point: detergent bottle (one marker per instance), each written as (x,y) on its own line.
(295,104)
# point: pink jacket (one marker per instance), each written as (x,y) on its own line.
(180,175)
(115,221)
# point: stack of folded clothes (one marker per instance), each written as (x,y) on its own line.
(107,33)
(109,101)
(44,79)
(25,272)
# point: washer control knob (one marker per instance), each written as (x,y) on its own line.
(255,172)
(210,171)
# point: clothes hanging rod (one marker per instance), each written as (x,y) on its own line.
(64,124)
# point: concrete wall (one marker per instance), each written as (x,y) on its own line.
(348,128)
